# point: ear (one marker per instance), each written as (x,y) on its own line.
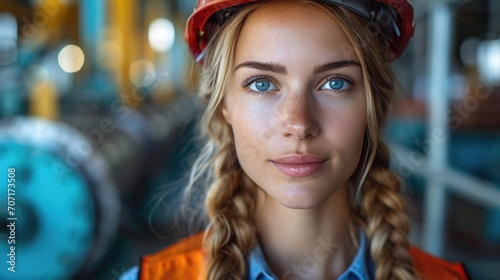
(225,112)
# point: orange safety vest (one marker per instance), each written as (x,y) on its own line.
(184,260)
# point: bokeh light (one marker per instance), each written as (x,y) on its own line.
(71,58)
(161,35)
(489,61)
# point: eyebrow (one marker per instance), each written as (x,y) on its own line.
(281,69)
(272,67)
(335,65)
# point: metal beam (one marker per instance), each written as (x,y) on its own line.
(440,30)
(466,186)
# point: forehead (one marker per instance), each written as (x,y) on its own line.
(285,31)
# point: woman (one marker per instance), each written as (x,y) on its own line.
(296,93)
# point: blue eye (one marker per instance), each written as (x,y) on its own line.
(337,84)
(262,85)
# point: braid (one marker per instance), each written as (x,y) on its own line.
(387,225)
(230,202)
(231,232)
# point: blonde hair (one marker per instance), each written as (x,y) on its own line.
(377,203)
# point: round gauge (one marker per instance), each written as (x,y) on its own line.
(58,215)
(54,211)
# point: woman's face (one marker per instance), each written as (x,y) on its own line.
(296,104)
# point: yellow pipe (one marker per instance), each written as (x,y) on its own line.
(123,17)
(44,26)
(44,102)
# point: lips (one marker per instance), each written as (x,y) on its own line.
(299,165)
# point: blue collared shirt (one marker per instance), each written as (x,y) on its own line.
(361,268)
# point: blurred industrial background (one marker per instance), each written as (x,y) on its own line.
(97,118)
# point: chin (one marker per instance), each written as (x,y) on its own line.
(301,198)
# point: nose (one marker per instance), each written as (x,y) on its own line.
(298,116)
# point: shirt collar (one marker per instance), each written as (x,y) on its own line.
(361,268)
(258,268)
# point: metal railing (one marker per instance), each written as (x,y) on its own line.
(440,177)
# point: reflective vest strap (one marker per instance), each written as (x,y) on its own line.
(183,260)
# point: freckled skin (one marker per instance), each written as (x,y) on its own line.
(299,116)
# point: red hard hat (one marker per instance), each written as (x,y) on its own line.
(395,17)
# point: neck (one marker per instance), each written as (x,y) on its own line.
(306,243)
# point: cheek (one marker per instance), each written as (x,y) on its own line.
(250,132)
(353,128)
(347,132)
(356,133)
